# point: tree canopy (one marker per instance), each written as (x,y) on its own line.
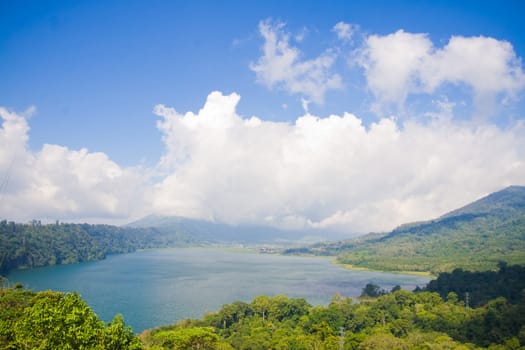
(395,320)
(54,320)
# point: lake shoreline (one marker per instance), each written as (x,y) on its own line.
(239,250)
(154,287)
(360,268)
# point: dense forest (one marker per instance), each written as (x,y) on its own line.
(476,288)
(475,237)
(35,244)
(400,320)
(396,319)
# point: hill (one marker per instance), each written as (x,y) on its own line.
(474,237)
(213,232)
(35,244)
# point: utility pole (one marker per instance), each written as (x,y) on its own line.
(466,299)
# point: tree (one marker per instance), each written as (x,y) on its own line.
(118,336)
(261,306)
(371,290)
(202,338)
(53,320)
(13,301)
(282,307)
(58,321)
(395,288)
(230,314)
(380,341)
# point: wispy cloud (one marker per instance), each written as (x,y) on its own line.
(282,66)
(345,31)
(395,66)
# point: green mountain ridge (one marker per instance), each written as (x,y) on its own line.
(473,237)
(506,204)
(507,201)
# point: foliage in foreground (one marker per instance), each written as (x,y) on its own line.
(396,320)
(400,320)
(53,320)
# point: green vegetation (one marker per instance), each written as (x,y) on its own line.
(400,320)
(477,288)
(459,310)
(397,319)
(33,245)
(475,237)
(52,320)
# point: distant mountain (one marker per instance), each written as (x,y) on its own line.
(203,231)
(474,237)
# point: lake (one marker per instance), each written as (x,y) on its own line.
(161,286)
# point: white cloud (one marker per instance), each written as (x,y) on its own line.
(281,66)
(327,172)
(396,66)
(58,183)
(400,64)
(391,64)
(345,31)
(331,172)
(486,64)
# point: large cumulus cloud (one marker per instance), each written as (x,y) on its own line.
(58,183)
(330,172)
(326,171)
(318,172)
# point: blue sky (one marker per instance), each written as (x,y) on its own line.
(95,70)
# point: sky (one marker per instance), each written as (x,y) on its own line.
(355,116)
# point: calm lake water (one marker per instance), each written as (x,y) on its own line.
(156,287)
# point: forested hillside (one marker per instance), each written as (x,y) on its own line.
(475,237)
(35,244)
